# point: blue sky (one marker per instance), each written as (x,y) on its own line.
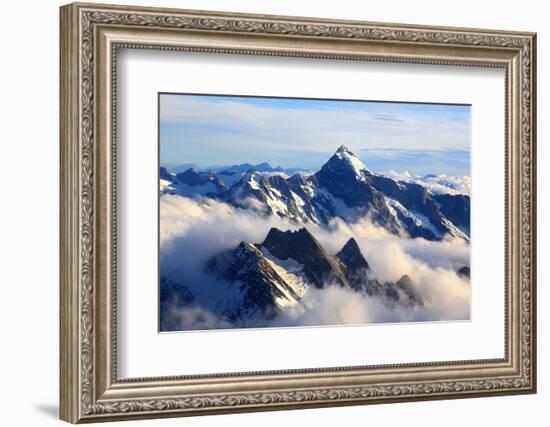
(221,130)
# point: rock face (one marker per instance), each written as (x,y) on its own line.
(273,276)
(355,265)
(342,188)
(351,256)
(464,272)
(319,267)
(262,286)
(165,175)
(456,208)
(195,178)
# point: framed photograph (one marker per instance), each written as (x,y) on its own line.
(266,212)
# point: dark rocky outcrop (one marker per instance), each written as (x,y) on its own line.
(319,267)
(464,272)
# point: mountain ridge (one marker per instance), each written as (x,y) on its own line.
(342,188)
(276,274)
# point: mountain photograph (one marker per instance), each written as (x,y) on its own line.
(296,230)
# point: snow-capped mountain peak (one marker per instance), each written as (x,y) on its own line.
(250,180)
(356,165)
(254,179)
(343,149)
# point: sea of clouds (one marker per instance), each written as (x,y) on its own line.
(194,230)
(437,184)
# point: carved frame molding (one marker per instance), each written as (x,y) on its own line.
(90,37)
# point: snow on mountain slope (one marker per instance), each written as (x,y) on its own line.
(358,168)
(418,220)
(292,273)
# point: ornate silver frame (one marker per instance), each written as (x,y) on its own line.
(90,36)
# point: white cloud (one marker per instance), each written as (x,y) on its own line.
(437,184)
(193,230)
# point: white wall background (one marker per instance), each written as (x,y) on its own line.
(29,170)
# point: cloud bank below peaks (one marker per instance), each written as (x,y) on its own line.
(194,230)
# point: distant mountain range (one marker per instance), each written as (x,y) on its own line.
(229,170)
(273,276)
(343,188)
